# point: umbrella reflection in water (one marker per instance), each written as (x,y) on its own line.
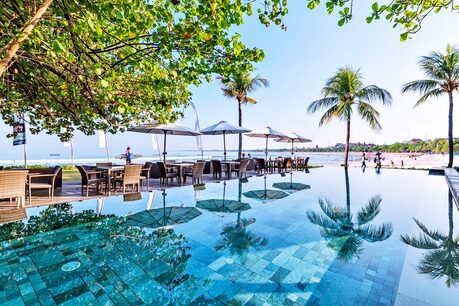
(165,216)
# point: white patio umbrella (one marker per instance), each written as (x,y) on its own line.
(166,129)
(223,128)
(293,138)
(267,133)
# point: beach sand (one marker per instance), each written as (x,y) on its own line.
(410,160)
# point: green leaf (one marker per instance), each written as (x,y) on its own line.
(341,22)
(104,83)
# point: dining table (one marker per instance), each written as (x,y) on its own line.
(230,165)
(110,172)
(181,168)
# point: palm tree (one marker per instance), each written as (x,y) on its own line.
(343,92)
(442,71)
(345,233)
(238,86)
(237,239)
(442,256)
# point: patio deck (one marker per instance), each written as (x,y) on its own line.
(71,191)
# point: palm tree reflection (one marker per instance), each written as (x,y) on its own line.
(237,239)
(442,257)
(347,233)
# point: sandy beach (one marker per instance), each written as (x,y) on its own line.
(410,160)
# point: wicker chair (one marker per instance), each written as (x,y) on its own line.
(145,173)
(12,215)
(261,165)
(13,186)
(44,185)
(242,169)
(165,175)
(284,165)
(131,177)
(218,169)
(196,173)
(90,177)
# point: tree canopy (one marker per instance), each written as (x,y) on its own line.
(406,15)
(105,65)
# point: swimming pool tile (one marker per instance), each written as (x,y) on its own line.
(280,275)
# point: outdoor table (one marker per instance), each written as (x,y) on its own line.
(109,172)
(230,164)
(181,167)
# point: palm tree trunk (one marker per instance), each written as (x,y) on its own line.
(348,194)
(239,103)
(450,214)
(348,137)
(450,131)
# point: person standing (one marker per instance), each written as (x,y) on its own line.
(128,156)
(364,165)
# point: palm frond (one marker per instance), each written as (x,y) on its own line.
(441,263)
(370,211)
(332,211)
(372,233)
(249,100)
(321,220)
(369,114)
(323,103)
(420,242)
(373,93)
(435,235)
(421,86)
(435,93)
(331,113)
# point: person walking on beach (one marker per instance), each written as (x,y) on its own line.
(364,165)
(128,156)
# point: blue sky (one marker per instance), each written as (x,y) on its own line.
(297,63)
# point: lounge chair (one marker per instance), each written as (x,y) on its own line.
(218,169)
(130,177)
(49,184)
(13,186)
(196,173)
(165,175)
(242,169)
(90,177)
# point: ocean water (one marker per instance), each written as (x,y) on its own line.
(7,159)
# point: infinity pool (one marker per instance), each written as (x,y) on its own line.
(261,245)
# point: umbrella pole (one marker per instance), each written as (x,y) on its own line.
(164,149)
(164,207)
(266,148)
(224,146)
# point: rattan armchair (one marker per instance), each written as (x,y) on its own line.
(131,177)
(90,177)
(43,185)
(242,169)
(261,165)
(145,173)
(196,173)
(13,186)
(218,168)
(165,175)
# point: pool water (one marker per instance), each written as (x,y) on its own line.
(288,250)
